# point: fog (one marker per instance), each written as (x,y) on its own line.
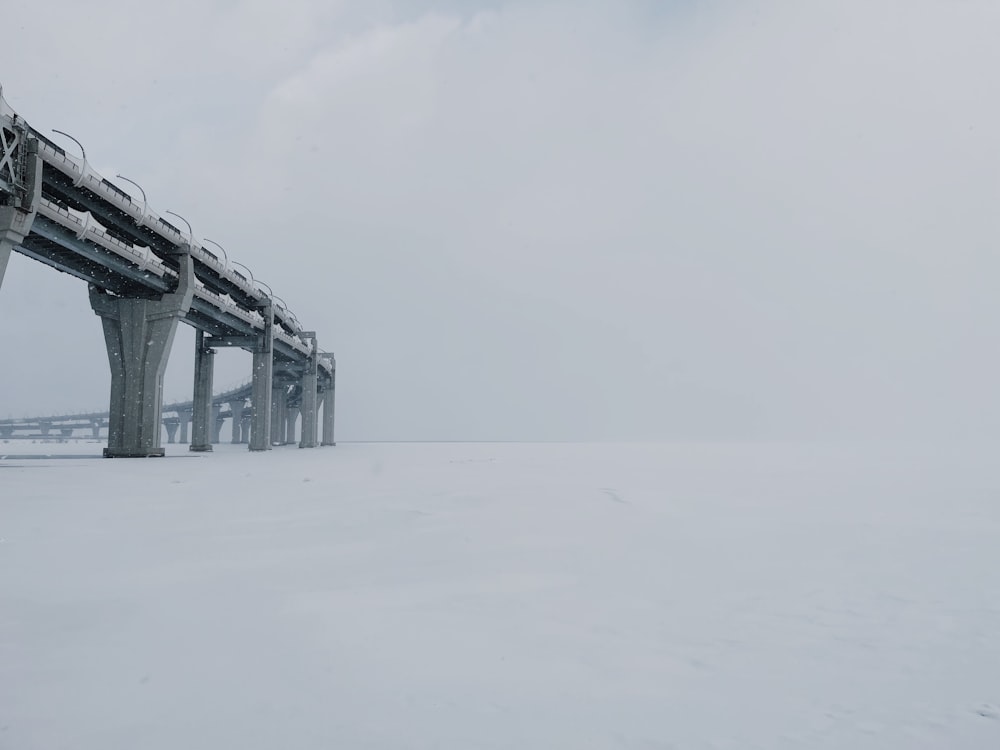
(553,220)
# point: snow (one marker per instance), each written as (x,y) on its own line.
(502,596)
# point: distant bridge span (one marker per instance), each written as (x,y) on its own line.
(145,275)
(231,404)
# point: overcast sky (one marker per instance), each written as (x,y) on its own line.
(619,219)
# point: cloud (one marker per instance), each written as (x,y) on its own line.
(604,220)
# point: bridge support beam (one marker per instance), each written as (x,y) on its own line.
(236,407)
(310,403)
(185,416)
(5,248)
(279,412)
(217,422)
(291,422)
(138,334)
(204,365)
(171,426)
(263,390)
(329,392)
(17,216)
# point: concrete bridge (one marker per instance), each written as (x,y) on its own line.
(232,405)
(145,275)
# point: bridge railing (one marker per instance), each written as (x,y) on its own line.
(88,228)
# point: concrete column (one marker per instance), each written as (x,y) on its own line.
(185,416)
(5,248)
(328,397)
(217,422)
(245,426)
(6,432)
(275,419)
(291,421)
(44,427)
(95,429)
(66,432)
(204,364)
(261,397)
(310,412)
(138,334)
(310,404)
(237,407)
(18,214)
(279,417)
(171,425)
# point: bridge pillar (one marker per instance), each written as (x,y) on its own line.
(291,422)
(95,429)
(185,416)
(20,162)
(279,413)
(171,426)
(263,389)
(310,404)
(6,432)
(204,365)
(245,425)
(138,334)
(275,397)
(66,432)
(237,407)
(329,392)
(5,248)
(217,422)
(44,428)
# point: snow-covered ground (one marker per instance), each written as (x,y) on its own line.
(502,596)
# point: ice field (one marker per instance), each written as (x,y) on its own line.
(502,596)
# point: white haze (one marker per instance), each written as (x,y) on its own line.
(554,220)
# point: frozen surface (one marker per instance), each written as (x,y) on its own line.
(502,596)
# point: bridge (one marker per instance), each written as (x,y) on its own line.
(230,404)
(145,275)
